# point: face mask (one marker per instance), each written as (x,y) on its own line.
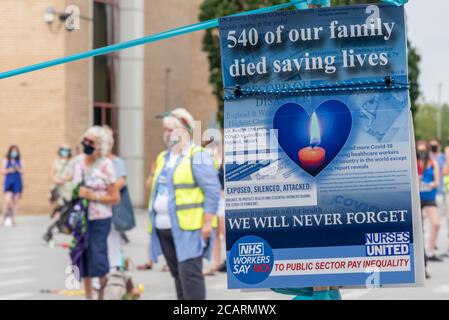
(88,150)
(170,141)
(64,153)
(14,154)
(434,149)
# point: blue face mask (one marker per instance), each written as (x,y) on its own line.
(14,154)
(64,153)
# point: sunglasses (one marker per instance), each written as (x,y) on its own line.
(88,142)
(183,121)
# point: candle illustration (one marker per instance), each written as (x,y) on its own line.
(312,158)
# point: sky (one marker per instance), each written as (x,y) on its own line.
(428,29)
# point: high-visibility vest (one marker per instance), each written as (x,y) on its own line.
(189,196)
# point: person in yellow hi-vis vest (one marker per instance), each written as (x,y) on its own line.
(183,202)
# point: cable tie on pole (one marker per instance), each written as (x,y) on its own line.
(238,91)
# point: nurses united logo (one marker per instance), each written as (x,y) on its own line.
(251,260)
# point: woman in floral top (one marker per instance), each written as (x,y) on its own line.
(97,175)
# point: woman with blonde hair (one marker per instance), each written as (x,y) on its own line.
(183,202)
(95,172)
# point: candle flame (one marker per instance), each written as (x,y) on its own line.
(315,132)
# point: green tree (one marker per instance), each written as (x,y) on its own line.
(426,122)
(413,77)
(218,8)
(445,128)
(211,9)
(425,119)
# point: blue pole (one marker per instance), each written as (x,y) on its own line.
(137,42)
(327,3)
(305,4)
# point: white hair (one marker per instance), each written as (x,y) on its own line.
(172,123)
(173,119)
(101,137)
(110,134)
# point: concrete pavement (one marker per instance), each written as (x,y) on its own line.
(28,266)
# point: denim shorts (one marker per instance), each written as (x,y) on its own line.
(12,186)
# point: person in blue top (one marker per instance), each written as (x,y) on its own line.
(184,199)
(429,174)
(446,189)
(439,157)
(12,169)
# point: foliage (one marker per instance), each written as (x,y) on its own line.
(426,123)
(211,9)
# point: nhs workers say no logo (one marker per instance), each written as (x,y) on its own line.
(251,259)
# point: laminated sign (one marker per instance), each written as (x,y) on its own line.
(320,168)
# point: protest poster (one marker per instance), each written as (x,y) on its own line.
(320,169)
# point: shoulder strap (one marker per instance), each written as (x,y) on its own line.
(432,163)
(194,150)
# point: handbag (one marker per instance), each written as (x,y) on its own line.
(54,195)
(123,213)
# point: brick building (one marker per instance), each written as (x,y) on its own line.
(42,110)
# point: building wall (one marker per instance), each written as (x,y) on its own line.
(188,84)
(79,96)
(42,110)
(32,106)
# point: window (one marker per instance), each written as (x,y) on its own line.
(104,79)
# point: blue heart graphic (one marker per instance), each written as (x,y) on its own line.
(293,130)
